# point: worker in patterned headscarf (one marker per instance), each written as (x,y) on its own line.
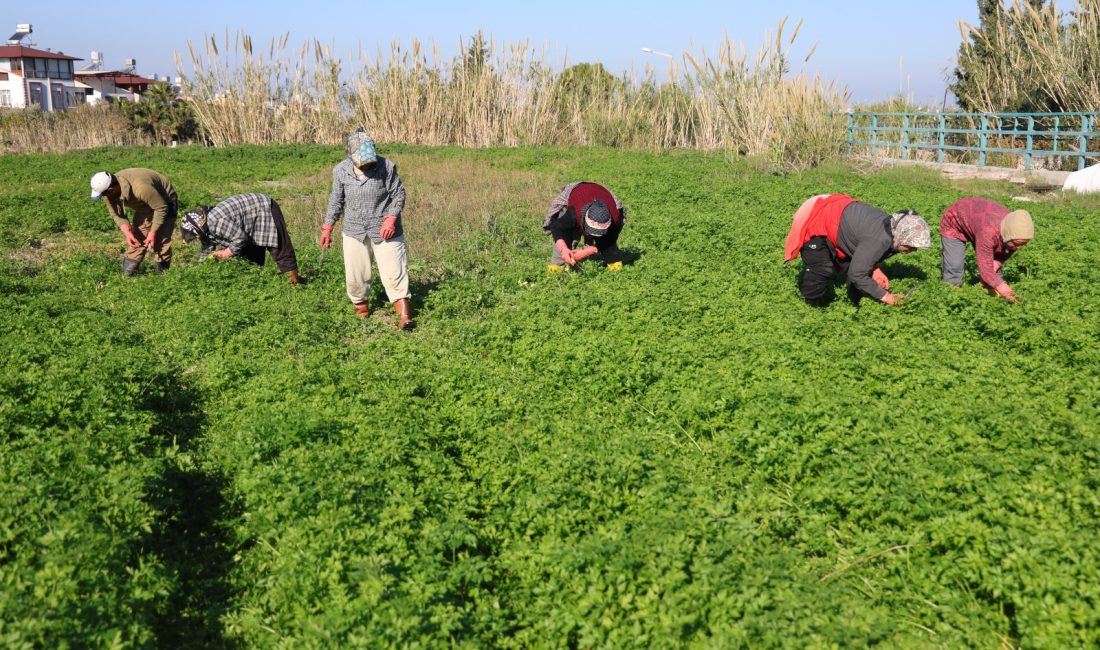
(994,231)
(589,211)
(368,193)
(834,232)
(245,225)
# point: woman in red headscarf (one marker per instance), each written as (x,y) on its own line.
(589,211)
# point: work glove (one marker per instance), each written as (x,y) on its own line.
(566,252)
(150,239)
(880,279)
(585,253)
(389,227)
(223,253)
(129,233)
(893,298)
(615,266)
(1006,292)
(326,236)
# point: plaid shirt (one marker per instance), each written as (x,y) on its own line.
(978,221)
(364,200)
(241,220)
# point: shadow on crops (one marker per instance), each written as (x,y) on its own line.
(420,291)
(896,270)
(190,537)
(631,255)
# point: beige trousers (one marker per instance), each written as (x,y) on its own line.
(392,267)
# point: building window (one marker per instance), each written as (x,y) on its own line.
(52,68)
(36,68)
(5,98)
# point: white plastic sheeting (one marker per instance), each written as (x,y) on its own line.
(1084,181)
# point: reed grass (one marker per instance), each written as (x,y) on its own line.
(1042,48)
(507,95)
(34,130)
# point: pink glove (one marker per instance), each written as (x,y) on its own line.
(129,233)
(150,239)
(1007,292)
(389,227)
(326,236)
(566,252)
(880,278)
(224,253)
(585,253)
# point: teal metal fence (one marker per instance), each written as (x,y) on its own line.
(960,137)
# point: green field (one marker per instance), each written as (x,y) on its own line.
(678,454)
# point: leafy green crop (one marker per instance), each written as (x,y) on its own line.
(680,453)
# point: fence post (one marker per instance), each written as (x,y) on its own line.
(874,135)
(1054,145)
(905,137)
(1084,147)
(983,141)
(943,133)
(851,131)
(1030,130)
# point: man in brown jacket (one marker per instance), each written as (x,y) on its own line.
(151,196)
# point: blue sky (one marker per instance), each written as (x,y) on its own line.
(874,48)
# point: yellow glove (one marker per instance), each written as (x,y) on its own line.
(615,266)
(554,268)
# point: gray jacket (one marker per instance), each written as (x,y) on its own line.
(364,201)
(865,237)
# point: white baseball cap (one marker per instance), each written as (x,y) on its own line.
(101,182)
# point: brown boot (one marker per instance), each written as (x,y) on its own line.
(362,309)
(404,314)
(293,276)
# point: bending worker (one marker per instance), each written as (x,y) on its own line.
(996,234)
(151,196)
(834,232)
(589,210)
(246,225)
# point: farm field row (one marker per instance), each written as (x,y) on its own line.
(678,453)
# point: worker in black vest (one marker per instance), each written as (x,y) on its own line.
(589,211)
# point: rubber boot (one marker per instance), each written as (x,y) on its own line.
(293,277)
(362,309)
(162,267)
(129,266)
(404,314)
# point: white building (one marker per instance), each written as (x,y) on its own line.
(111,85)
(29,76)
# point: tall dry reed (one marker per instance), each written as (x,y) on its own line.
(1035,48)
(754,103)
(505,94)
(240,95)
(32,129)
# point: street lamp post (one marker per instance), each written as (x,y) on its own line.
(658,53)
(671,61)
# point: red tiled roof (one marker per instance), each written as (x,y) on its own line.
(17,51)
(120,78)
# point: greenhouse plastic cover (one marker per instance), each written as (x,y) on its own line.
(1085,181)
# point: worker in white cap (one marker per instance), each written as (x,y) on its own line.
(153,200)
